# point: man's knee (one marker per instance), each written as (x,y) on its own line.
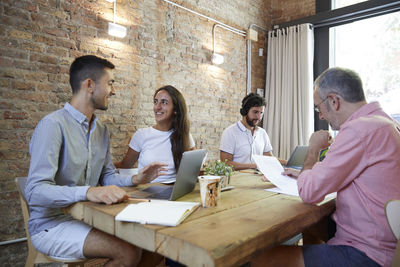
(131,255)
(102,245)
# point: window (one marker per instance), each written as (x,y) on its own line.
(371,47)
(342,3)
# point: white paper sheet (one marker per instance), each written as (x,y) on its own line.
(272,169)
(169,213)
(277,190)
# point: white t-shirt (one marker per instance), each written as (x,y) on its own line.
(238,141)
(154,145)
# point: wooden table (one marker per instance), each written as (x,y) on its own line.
(247,220)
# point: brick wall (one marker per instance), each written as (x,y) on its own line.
(288,10)
(165,45)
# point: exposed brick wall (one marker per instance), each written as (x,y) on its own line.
(288,10)
(165,45)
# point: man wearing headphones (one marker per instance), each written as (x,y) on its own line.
(244,138)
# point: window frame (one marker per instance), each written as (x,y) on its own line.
(325,18)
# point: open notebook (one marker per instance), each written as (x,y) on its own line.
(168,213)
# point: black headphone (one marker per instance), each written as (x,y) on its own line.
(247,103)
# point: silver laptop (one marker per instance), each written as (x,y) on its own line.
(186,177)
(296,160)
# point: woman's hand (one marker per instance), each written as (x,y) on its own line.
(149,173)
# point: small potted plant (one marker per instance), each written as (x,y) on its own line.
(220,168)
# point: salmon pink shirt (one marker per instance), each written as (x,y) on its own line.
(363,167)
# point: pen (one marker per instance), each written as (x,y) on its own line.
(250,171)
(139,199)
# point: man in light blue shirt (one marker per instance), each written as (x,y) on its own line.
(71,162)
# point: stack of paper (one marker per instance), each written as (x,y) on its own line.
(272,169)
(169,213)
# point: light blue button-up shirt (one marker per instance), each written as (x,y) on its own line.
(66,159)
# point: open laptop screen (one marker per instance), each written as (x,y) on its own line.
(296,160)
(186,178)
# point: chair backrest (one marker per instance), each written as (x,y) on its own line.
(21,182)
(33,255)
(392,210)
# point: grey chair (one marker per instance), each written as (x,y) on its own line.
(392,210)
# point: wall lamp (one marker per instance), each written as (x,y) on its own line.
(216,58)
(113,28)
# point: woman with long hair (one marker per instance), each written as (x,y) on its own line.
(166,140)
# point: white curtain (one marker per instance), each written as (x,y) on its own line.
(289,116)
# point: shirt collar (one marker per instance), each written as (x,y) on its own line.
(365,110)
(77,115)
(243,128)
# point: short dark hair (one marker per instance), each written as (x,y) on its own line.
(341,81)
(84,67)
(251,100)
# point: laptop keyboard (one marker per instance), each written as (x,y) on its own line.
(154,189)
(164,194)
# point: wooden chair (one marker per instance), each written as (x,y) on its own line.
(392,209)
(33,255)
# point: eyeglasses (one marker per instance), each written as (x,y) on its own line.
(111,82)
(316,107)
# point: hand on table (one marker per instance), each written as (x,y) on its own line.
(106,194)
(149,173)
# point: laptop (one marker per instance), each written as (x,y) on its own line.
(186,177)
(297,158)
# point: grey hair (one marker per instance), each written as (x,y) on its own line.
(340,81)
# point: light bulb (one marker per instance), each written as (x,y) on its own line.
(116,30)
(217,59)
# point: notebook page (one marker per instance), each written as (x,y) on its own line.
(169,213)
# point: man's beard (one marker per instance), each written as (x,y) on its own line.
(251,123)
(98,105)
(333,122)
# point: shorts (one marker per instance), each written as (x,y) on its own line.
(335,255)
(64,241)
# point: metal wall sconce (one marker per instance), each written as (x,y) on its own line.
(113,28)
(216,58)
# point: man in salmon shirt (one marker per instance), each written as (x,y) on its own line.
(362,166)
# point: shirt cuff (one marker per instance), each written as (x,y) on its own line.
(124,180)
(229,151)
(301,177)
(80,193)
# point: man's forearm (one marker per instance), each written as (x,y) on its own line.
(54,196)
(318,141)
(311,158)
(242,166)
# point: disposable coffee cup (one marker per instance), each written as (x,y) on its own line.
(210,190)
